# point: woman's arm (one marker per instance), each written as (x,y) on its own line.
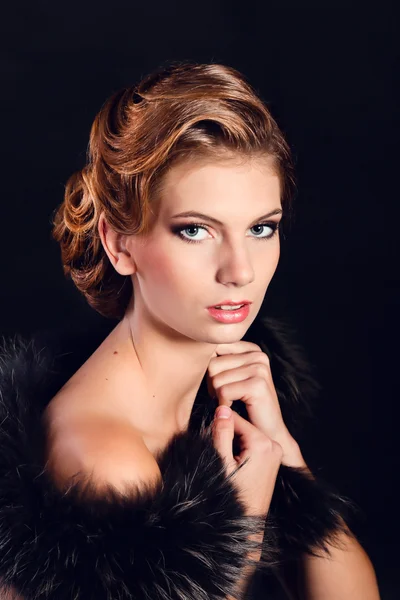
(248,571)
(347,574)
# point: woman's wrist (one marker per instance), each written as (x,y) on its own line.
(292,456)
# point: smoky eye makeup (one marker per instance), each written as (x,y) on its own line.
(179,230)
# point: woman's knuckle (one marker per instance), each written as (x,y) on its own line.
(260,370)
(265,444)
(277,448)
(258,384)
(264,358)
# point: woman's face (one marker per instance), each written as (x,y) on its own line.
(186,264)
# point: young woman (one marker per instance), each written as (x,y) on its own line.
(118,479)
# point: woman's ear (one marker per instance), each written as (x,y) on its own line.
(114,246)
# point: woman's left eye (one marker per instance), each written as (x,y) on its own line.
(181,228)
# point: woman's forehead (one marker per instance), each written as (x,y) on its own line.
(189,181)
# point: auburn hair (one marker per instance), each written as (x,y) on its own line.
(178,112)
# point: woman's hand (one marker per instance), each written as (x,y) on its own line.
(241,371)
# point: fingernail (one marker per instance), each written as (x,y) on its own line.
(223,412)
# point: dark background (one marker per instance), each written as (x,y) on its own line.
(328,72)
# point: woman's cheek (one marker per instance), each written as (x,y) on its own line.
(168,272)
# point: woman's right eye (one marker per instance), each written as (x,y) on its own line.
(178,231)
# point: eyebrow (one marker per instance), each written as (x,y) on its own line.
(191,213)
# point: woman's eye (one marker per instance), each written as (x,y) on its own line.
(191,237)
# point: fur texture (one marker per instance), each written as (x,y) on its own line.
(183,539)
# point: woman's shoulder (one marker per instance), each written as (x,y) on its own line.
(91,430)
(94,444)
(87,430)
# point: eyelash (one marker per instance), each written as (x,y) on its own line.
(177,231)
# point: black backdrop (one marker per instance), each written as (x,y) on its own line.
(328,71)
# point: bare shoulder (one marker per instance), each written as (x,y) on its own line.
(106,449)
(94,427)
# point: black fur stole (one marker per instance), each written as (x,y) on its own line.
(184,539)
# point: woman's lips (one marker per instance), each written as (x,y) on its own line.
(230,302)
(229,316)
